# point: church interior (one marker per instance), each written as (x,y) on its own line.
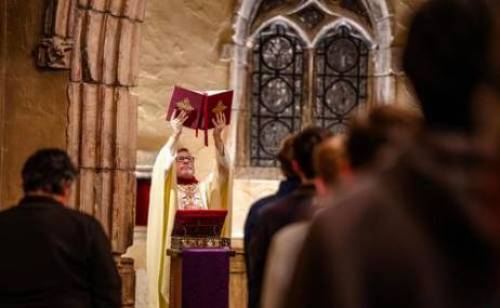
(95,77)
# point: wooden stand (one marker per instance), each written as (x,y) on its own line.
(193,230)
(176,276)
(175,279)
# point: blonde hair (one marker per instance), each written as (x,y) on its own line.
(330,159)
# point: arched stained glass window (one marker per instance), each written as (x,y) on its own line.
(277,90)
(341,69)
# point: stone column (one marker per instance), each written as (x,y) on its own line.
(102,119)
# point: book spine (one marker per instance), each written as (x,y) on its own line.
(205,118)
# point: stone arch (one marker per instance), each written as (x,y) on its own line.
(381,37)
(380,17)
(365,35)
(285,20)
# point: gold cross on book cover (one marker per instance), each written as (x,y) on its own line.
(219,108)
(185,105)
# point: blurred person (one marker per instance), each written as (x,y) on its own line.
(54,256)
(298,206)
(330,164)
(418,234)
(286,187)
(377,133)
(370,135)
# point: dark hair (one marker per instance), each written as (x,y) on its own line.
(447,56)
(48,170)
(371,131)
(303,148)
(285,157)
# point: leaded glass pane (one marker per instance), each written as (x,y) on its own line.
(277,89)
(341,64)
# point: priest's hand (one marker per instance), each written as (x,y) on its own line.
(219,124)
(176,122)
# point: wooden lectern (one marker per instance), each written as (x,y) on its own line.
(194,229)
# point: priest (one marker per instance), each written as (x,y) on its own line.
(175,186)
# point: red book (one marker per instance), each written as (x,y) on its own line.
(201,107)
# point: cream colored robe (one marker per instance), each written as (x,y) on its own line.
(283,253)
(162,207)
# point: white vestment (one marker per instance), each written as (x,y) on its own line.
(213,192)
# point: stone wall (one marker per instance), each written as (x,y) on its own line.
(33,102)
(90,108)
(182,45)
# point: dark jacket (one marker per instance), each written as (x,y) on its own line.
(286,188)
(404,237)
(55,257)
(298,206)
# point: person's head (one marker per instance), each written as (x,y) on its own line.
(449,54)
(285,158)
(373,131)
(330,163)
(184,164)
(304,144)
(49,172)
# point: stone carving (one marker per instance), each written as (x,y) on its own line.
(56,44)
(55,52)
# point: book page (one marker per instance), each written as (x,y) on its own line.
(213,92)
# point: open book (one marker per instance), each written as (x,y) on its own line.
(201,107)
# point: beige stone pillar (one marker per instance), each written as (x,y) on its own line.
(102,119)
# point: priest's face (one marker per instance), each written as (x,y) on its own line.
(184,163)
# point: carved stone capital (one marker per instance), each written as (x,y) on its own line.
(55,52)
(56,44)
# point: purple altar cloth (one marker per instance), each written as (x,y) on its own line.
(205,278)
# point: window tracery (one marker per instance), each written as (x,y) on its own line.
(277,90)
(304,74)
(341,77)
